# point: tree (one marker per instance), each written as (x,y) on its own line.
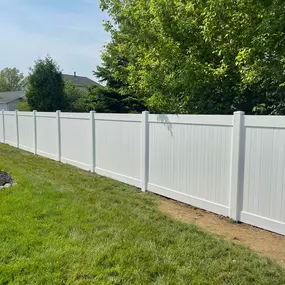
(115,97)
(23,106)
(11,79)
(45,86)
(105,100)
(212,56)
(75,99)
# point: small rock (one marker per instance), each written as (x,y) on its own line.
(5,178)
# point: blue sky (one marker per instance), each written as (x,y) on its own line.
(70,31)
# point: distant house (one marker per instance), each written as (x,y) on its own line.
(79,81)
(9,100)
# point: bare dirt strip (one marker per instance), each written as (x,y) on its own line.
(267,243)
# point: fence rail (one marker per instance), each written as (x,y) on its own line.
(232,165)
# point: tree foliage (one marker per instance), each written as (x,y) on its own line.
(75,99)
(106,100)
(48,92)
(212,56)
(11,79)
(114,97)
(23,106)
(45,86)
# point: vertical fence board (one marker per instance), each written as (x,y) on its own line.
(236,174)
(2,127)
(93,154)
(144,150)
(35,131)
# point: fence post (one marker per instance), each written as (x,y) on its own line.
(144,151)
(93,154)
(3,125)
(17,129)
(236,186)
(58,135)
(35,131)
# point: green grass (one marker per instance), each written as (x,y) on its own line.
(61,225)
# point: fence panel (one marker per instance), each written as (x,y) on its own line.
(230,165)
(118,147)
(189,159)
(1,127)
(26,131)
(264,173)
(47,135)
(10,128)
(76,142)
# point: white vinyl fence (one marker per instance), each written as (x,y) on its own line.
(231,165)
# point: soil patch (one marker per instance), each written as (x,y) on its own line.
(267,243)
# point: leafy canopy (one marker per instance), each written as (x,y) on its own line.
(212,56)
(11,79)
(23,106)
(74,98)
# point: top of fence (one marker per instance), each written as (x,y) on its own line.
(211,120)
(25,114)
(9,113)
(46,114)
(216,120)
(118,117)
(82,116)
(265,121)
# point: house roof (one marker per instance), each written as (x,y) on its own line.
(7,97)
(79,81)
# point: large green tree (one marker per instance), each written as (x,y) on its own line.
(45,86)
(212,56)
(11,79)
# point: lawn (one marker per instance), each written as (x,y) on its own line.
(61,225)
